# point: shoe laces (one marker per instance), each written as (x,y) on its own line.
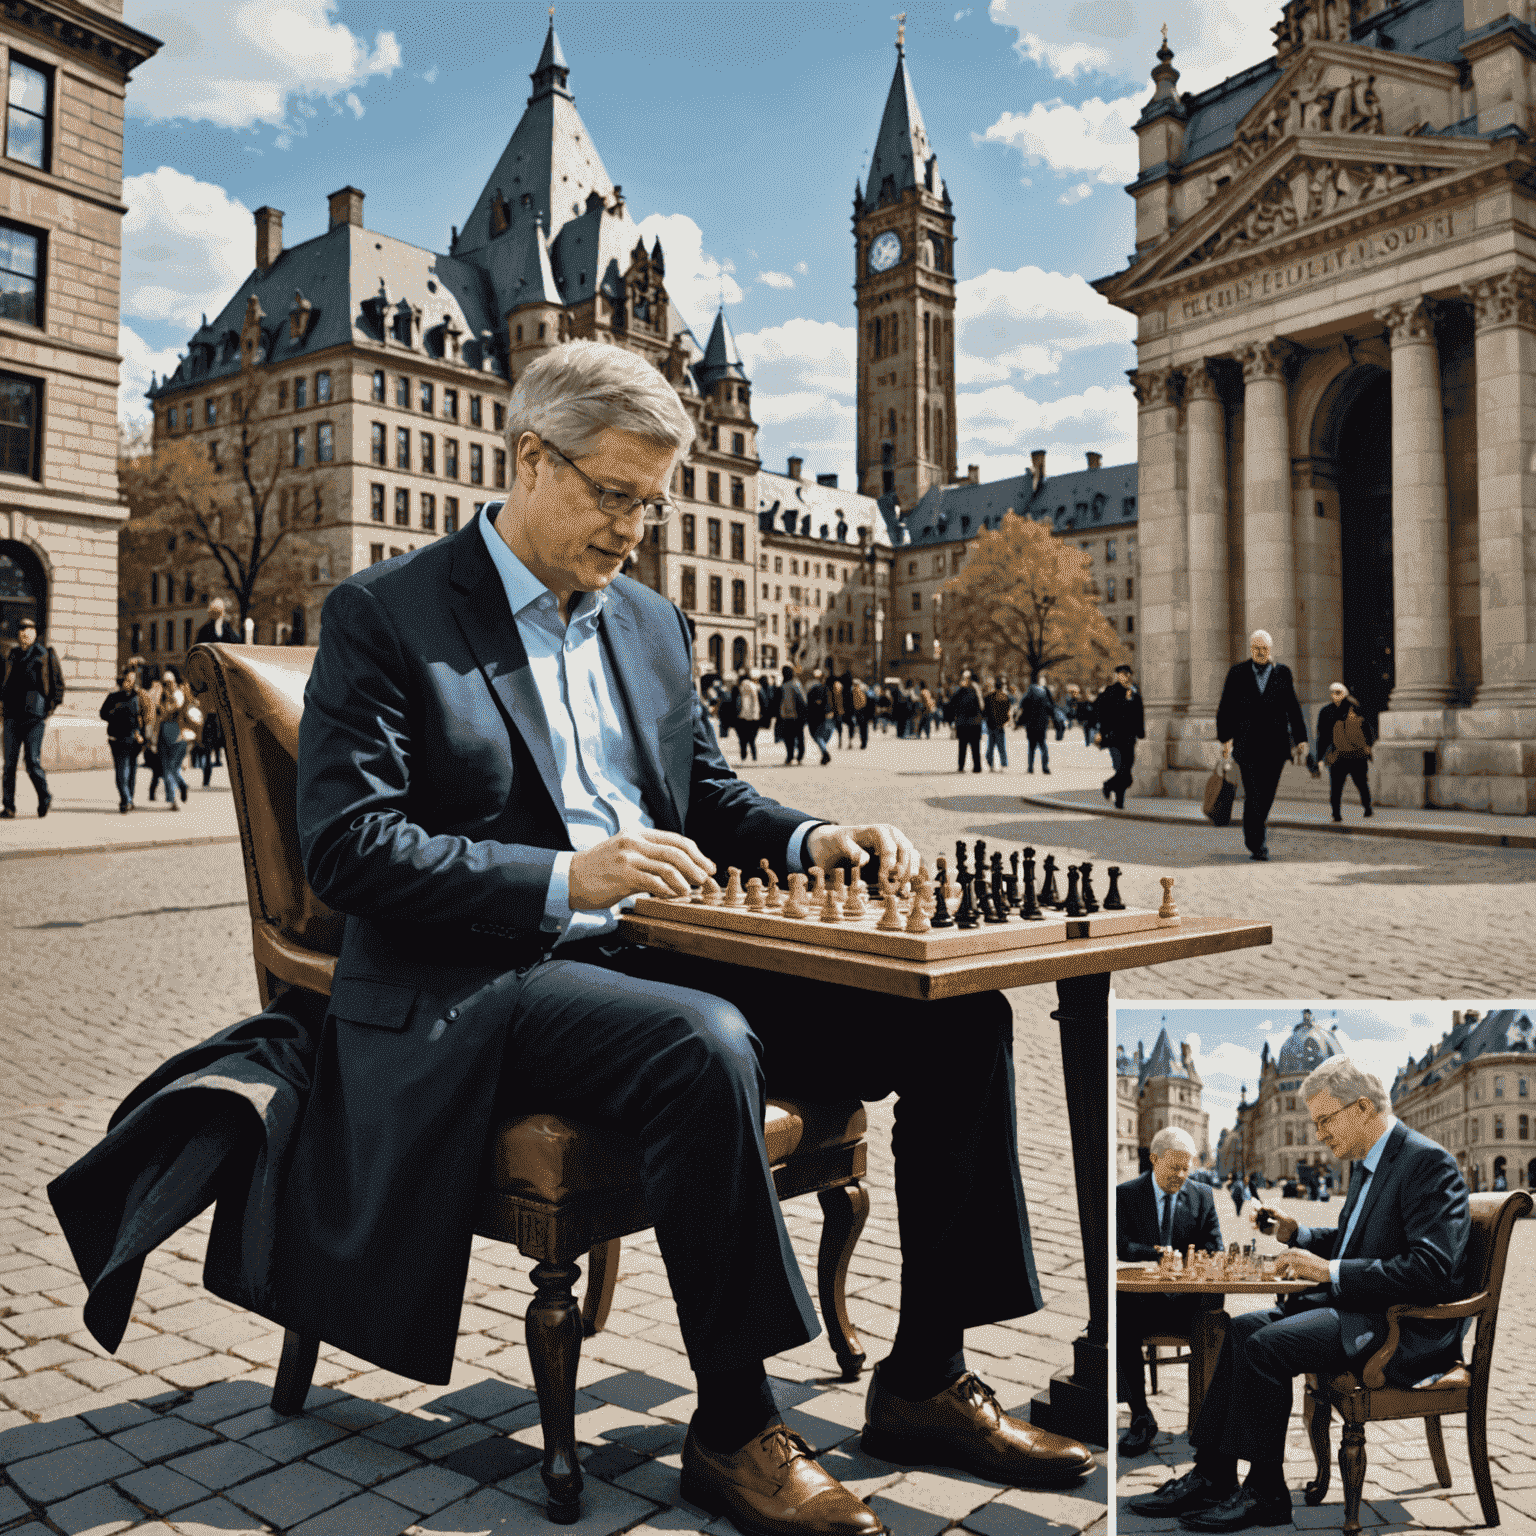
(784,1442)
(976,1392)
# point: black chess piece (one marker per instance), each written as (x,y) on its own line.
(1029,909)
(986,911)
(965,917)
(999,889)
(941,917)
(1074,907)
(962,855)
(1090,901)
(1049,896)
(1013,879)
(1112,901)
(981,857)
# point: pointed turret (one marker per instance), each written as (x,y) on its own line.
(858,198)
(903,156)
(657,259)
(551,72)
(1165,79)
(722,358)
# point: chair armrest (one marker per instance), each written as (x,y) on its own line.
(1375,1373)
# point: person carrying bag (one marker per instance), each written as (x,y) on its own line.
(1220,795)
(1343,727)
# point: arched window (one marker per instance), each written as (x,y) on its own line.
(938,435)
(23,591)
(738,653)
(893,423)
(716,653)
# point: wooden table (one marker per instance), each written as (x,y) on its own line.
(1077,1403)
(1207,1328)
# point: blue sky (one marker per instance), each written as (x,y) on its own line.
(737,131)
(1228,1038)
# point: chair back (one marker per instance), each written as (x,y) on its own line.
(258,691)
(1493,1222)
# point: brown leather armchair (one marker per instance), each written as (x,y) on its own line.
(1363,1398)
(554,1187)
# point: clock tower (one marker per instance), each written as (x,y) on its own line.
(904,282)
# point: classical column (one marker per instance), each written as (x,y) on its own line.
(1210,640)
(1421,519)
(1269,544)
(1161,651)
(1506,484)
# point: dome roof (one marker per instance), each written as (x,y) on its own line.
(1309,1045)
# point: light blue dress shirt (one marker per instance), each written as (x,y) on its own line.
(1261,674)
(1371,1160)
(594,757)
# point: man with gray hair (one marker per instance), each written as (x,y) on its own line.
(1163,1208)
(1259,722)
(1401,1238)
(502,746)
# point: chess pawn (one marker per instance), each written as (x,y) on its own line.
(734,895)
(775,897)
(856,906)
(1090,902)
(917,919)
(832,905)
(818,884)
(891,921)
(755,901)
(1074,906)
(940,917)
(1168,912)
(1112,898)
(712,895)
(795,904)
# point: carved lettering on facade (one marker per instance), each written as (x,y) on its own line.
(1343,256)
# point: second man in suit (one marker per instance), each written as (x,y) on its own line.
(1259,722)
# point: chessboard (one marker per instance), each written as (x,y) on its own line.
(962,911)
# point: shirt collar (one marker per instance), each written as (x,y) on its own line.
(524,589)
(1373,1157)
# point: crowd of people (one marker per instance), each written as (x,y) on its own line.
(821,706)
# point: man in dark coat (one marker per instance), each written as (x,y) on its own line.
(1402,1238)
(1259,722)
(33,687)
(968,720)
(216,629)
(818,706)
(1164,1208)
(1120,721)
(1345,737)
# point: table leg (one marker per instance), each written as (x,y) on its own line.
(1078,1403)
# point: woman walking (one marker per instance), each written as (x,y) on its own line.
(123,712)
(178,723)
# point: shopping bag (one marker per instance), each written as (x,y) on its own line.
(1220,792)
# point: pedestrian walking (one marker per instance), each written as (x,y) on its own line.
(1059,717)
(213,746)
(996,709)
(1119,723)
(748,705)
(123,711)
(968,717)
(862,708)
(33,687)
(925,698)
(217,630)
(1260,724)
(1036,715)
(1082,713)
(839,708)
(1345,737)
(817,705)
(178,723)
(1238,1193)
(789,725)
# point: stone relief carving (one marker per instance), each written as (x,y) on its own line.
(1265,360)
(1306,191)
(1200,383)
(1153,386)
(1316,21)
(1506,299)
(1324,98)
(1409,320)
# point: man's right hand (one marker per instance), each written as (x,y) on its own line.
(646,862)
(1285,1227)
(1226,750)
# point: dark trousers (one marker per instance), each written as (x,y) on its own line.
(792,734)
(997,741)
(24,739)
(683,1053)
(1045,752)
(125,769)
(1353,769)
(172,751)
(970,741)
(1135,1318)
(1122,756)
(746,734)
(1260,781)
(1246,1408)
(863,721)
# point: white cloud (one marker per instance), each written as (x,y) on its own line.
(1075,194)
(776,279)
(186,246)
(1094,136)
(998,428)
(354,104)
(803,383)
(696,280)
(430,75)
(255,62)
(802,267)
(140,360)
(1211,39)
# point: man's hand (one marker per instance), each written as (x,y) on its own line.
(1285,1227)
(1299,753)
(1226,750)
(646,862)
(829,845)
(1301,1265)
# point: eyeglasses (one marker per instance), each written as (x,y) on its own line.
(619,504)
(1319,1124)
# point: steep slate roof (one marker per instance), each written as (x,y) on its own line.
(1084,500)
(902,151)
(722,357)
(779,496)
(1164,1060)
(1500,1029)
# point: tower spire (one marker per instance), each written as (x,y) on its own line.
(901,35)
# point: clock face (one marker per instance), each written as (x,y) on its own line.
(885,252)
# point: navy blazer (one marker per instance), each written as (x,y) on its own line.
(429,802)
(1409,1246)
(1137,1235)
(1262,727)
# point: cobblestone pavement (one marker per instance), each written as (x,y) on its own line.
(1401,1492)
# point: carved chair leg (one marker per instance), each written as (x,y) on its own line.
(295,1372)
(1437,1449)
(1352,1473)
(1318,1415)
(553,1325)
(1477,1452)
(843,1213)
(602,1278)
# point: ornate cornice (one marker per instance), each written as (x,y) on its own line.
(100,38)
(1509,298)
(1154,387)
(1201,382)
(1409,321)
(1265,360)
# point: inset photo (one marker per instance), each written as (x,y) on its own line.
(1325,1287)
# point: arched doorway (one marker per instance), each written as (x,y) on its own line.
(1500,1166)
(1363,453)
(738,653)
(1530,1175)
(23,591)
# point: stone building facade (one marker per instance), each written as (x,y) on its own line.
(1168,1089)
(65,68)
(1274,1133)
(1472,1093)
(1336,373)
(1127,1119)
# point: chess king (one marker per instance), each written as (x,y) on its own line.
(501,744)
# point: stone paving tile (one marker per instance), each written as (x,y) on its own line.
(291,1494)
(365,1515)
(58,1474)
(220,1466)
(160,1489)
(290,1437)
(12,1505)
(363,1460)
(162,1438)
(427,1488)
(99,1511)
(216,1517)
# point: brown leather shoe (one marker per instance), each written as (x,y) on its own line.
(964,1427)
(772,1487)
